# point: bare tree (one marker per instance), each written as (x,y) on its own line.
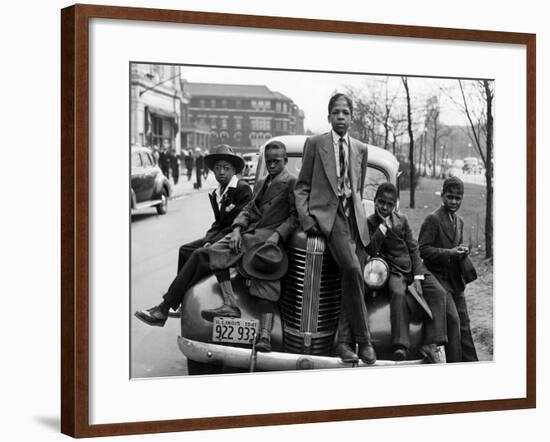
(481,127)
(411,141)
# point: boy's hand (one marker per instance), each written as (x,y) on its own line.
(235,240)
(459,251)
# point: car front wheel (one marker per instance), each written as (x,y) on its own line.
(162,207)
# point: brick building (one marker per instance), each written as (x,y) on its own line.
(243,116)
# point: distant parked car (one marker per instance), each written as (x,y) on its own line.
(149,186)
(471,165)
(250,164)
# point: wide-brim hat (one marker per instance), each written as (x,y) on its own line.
(225,153)
(265,261)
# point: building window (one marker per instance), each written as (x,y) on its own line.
(202,103)
(213,122)
(254,104)
(224,122)
(238,137)
(224,104)
(260,124)
(278,106)
(238,123)
(285,108)
(238,104)
(213,103)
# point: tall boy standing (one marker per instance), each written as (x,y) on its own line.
(329,193)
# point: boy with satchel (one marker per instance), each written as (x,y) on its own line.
(441,248)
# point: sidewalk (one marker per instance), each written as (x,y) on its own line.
(185,187)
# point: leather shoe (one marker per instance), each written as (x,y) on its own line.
(226,311)
(367,353)
(431,353)
(400,354)
(154,316)
(344,352)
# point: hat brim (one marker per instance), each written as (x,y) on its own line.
(251,271)
(235,160)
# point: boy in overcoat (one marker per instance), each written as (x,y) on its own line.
(440,240)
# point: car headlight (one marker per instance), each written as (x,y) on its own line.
(376,273)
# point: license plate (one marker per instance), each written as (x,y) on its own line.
(234,330)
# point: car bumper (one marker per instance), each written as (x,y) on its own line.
(273,361)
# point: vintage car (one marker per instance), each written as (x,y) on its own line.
(305,324)
(149,187)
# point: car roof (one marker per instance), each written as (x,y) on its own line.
(377,156)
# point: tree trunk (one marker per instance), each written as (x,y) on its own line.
(411,146)
(489,173)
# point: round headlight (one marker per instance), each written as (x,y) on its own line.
(376,273)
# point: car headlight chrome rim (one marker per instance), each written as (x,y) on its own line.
(376,273)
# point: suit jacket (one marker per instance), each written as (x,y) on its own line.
(437,237)
(317,185)
(233,202)
(398,246)
(271,209)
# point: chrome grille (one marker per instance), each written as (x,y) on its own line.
(310,301)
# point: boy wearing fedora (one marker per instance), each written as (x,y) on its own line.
(441,248)
(269,218)
(227,200)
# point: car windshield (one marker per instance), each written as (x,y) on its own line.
(375,175)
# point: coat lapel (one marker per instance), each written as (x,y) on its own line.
(354,164)
(277,186)
(326,150)
(214,205)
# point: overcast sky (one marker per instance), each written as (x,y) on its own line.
(311,91)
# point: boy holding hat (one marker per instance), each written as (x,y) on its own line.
(440,240)
(269,218)
(227,200)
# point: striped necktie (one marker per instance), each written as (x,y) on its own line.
(343,175)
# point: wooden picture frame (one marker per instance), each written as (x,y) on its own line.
(75,216)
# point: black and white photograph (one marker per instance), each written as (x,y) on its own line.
(293,220)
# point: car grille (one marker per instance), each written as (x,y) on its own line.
(310,302)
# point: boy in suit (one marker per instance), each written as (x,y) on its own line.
(392,239)
(227,200)
(270,217)
(328,194)
(442,250)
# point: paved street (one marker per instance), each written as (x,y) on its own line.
(155,243)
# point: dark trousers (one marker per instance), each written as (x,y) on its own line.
(195,268)
(342,248)
(198,176)
(443,329)
(187,250)
(469,353)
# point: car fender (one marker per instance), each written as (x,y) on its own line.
(207,295)
(161,183)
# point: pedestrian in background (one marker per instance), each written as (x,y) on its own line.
(199,165)
(164,162)
(189,161)
(174,166)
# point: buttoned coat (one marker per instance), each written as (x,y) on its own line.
(317,185)
(437,237)
(398,246)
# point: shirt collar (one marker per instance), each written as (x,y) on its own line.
(336,137)
(232,184)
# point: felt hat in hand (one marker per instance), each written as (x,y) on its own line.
(265,261)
